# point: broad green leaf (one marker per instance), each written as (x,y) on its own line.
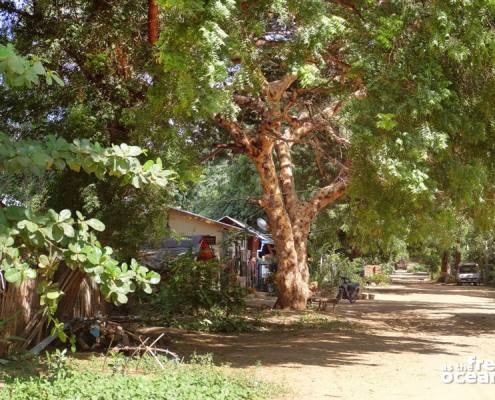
(43,261)
(64,214)
(68,230)
(96,224)
(53,295)
(57,79)
(13,275)
(30,273)
(121,298)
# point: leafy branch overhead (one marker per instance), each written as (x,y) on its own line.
(38,156)
(34,245)
(21,71)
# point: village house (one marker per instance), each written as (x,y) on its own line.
(244,249)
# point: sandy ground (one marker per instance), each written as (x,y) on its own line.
(409,333)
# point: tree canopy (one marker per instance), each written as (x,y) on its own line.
(384,105)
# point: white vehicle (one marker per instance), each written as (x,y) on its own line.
(468,273)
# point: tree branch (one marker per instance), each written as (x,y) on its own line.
(286,176)
(153,23)
(237,133)
(249,102)
(220,148)
(274,90)
(326,195)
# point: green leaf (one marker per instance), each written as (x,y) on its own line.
(38,68)
(148,165)
(121,298)
(16,64)
(53,295)
(43,261)
(30,226)
(5,52)
(147,289)
(13,275)
(30,273)
(97,225)
(154,278)
(64,214)
(57,79)
(68,230)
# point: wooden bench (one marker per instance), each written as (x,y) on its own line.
(322,302)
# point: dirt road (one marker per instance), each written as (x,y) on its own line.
(409,333)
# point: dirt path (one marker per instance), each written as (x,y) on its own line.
(409,334)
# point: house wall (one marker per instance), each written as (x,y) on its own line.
(188,226)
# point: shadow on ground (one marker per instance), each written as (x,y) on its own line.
(436,289)
(417,319)
(308,347)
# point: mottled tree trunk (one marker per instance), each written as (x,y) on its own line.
(269,147)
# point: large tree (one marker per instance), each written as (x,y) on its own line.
(388,101)
(102,51)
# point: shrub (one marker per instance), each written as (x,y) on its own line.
(332,268)
(194,286)
(379,279)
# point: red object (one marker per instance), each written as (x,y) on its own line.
(205,251)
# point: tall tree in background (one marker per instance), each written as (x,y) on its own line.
(103,53)
(389,101)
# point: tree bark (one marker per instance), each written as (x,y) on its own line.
(152,22)
(445,268)
(292,274)
(289,217)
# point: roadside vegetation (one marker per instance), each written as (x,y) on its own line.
(59,376)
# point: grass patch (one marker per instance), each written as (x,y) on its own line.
(255,321)
(315,321)
(81,380)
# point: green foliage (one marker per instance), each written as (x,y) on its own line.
(217,319)
(225,188)
(199,380)
(39,156)
(315,321)
(54,238)
(331,268)
(193,286)
(379,279)
(104,100)
(57,365)
(21,71)
(420,132)
(46,240)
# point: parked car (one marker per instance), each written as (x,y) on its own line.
(468,273)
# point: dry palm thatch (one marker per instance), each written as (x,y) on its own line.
(26,321)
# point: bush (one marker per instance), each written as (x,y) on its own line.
(197,286)
(387,268)
(379,279)
(216,320)
(333,268)
(415,267)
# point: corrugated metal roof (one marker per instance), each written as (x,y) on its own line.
(204,219)
(266,237)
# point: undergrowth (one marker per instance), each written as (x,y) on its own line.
(139,380)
